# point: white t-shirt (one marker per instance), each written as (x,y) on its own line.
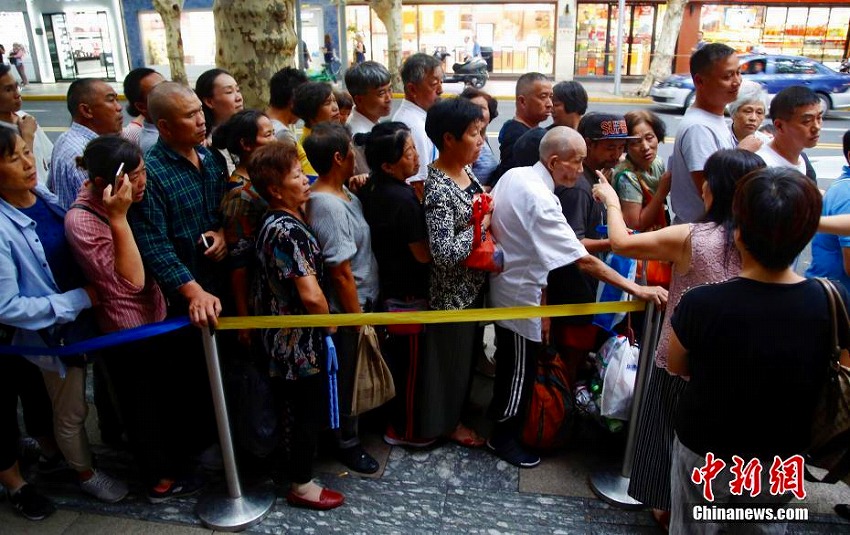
(414,117)
(774,159)
(359,124)
(42,149)
(530,227)
(700,135)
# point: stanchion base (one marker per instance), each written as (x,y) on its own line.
(218,511)
(613,488)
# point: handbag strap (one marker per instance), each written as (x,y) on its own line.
(833,315)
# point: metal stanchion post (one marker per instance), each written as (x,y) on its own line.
(233,509)
(612,485)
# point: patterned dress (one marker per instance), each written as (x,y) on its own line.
(286,250)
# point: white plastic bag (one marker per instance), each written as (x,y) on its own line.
(618,385)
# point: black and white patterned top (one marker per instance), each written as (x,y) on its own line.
(448,212)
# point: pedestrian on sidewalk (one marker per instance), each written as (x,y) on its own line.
(16,58)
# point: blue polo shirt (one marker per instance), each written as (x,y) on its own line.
(827,255)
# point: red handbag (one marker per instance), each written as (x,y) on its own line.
(486,254)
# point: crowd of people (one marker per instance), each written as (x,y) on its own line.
(204,208)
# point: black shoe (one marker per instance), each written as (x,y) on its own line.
(843,510)
(28,503)
(356,458)
(511,451)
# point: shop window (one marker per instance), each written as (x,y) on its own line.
(198,29)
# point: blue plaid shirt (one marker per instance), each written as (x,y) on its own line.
(181,202)
(65,178)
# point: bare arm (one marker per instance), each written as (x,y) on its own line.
(677,357)
(667,244)
(835,224)
(598,269)
(420,251)
(596,246)
(311,295)
(343,281)
(128,260)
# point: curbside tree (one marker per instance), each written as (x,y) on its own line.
(255,39)
(389,12)
(662,62)
(170,11)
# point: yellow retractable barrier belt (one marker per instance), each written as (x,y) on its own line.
(428,316)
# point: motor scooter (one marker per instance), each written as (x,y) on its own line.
(472,72)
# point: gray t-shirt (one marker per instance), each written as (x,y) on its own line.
(343,233)
(700,135)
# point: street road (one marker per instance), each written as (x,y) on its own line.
(826,157)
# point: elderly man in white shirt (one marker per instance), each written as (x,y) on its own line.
(529,225)
(422,76)
(370,88)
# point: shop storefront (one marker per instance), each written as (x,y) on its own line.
(596,37)
(67,39)
(817,32)
(520,36)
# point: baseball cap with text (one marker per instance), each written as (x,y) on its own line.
(598,126)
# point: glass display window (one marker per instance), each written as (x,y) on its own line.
(198,29)
(521,35)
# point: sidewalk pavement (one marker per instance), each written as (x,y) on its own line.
(599,90)
(443,489)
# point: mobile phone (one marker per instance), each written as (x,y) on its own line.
(205,241)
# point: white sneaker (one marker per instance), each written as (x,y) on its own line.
(105,488)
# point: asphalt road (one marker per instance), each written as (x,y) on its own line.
(826,157)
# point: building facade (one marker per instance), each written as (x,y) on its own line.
(67,39)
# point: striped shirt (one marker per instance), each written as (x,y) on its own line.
(181,202)
(122,304)
(65,177)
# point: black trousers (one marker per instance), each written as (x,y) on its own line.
(346,340)
(19,378)
(306,402)
(516,367)
(154,385)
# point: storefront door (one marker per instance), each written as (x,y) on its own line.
(596,38)
(79,45)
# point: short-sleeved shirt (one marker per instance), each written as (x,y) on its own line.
(414,117)
(181,202)
(306,166)
(123,305)
(511,131)
(65,178)
(42,150)
(344,235)
(757,356)
(242,211)
(527,147)
(532,231)
(396,219)
(700,135)
(359,124)
(828,249)
(51,231)
(287,250)
(628,176)
(774,159)
(582,211)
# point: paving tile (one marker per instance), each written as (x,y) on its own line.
(371,507)
(451,465)
(89,524)
(13,524)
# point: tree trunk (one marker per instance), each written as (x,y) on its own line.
(170,11)
(255,39)
(389,12)
(666,49)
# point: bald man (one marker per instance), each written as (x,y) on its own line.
(532,231)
